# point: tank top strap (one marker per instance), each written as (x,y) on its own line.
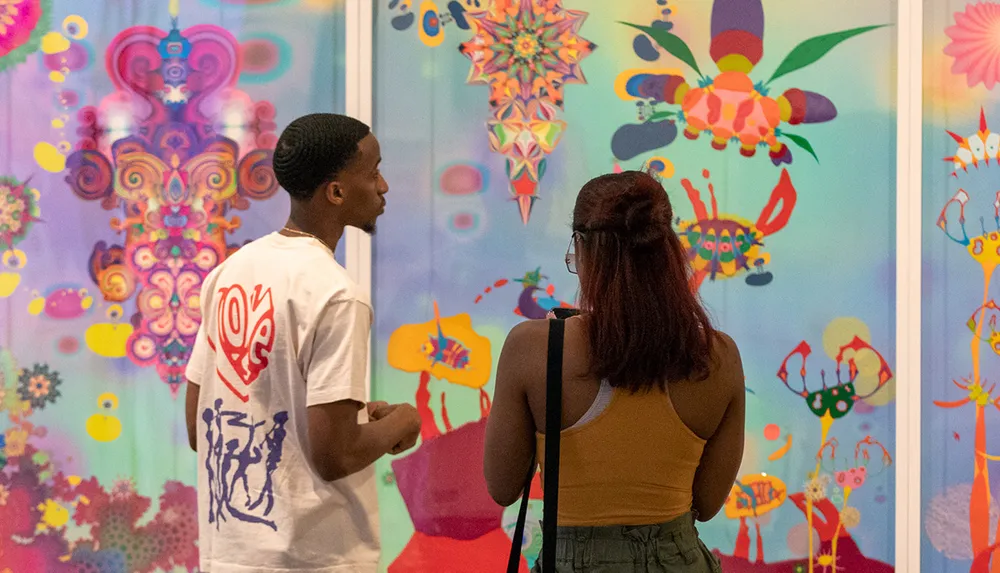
(604,396)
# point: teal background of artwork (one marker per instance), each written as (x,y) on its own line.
(152,448)
(835,258)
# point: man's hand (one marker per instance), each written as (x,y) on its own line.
(374,408)
(411,420)
(408,416)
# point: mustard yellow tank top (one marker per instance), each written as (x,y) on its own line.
(632,464)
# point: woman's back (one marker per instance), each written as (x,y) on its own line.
(667,445)
(630,458)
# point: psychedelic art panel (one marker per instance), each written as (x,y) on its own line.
(150,152)
(783,202)
(961,238)
(525,52)
(135,149)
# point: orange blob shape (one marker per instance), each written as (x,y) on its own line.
(772,432)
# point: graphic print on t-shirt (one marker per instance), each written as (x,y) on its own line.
(241,459)
(245,327)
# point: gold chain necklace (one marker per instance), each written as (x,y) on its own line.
(305,234)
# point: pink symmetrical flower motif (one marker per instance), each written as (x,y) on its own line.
(193,149)
(975,44)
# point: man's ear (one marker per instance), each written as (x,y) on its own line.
(334,192)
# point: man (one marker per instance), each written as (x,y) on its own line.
(276,393)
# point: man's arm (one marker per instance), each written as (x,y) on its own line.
(202,360)
(344,447)
(335,371)
(191,414)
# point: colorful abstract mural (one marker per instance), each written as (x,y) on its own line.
(722,246)
(961,221)
(812,497)
(175,173)
(525,51)
(135,155)
(731,107)
(40,502)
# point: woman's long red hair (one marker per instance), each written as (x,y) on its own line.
(645,324)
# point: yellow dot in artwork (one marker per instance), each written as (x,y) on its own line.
(661,166)
(74,480)
(14,258)
(8,283)
(57,77)
(104,428)
(86,301)
(76,27)
(54,515)
(58,123)
(108,339)
(114,312)
(107,401)
(841,331)
(36,306)
(54,43)
(49,158)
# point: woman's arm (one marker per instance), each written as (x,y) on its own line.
(510,429)
(723,453)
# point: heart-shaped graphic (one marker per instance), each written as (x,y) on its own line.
(245,335)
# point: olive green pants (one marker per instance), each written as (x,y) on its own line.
(672,547)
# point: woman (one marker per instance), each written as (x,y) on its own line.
(653,396)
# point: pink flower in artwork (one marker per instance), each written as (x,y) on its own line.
(975,44)
(18,19)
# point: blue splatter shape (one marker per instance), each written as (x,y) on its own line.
(404,21)
(644,48)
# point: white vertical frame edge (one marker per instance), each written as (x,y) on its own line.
(909,179)
(359,47)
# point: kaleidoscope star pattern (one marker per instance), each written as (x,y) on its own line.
(18,210)
(526,51)
(38,386)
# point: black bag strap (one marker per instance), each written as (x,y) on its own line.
(553,427)
(514,561)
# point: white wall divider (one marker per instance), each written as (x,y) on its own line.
(909,179)
(358,104)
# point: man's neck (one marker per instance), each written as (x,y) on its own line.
(329,233)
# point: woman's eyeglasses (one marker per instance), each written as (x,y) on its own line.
(571,255)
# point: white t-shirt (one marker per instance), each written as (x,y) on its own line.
(283,328)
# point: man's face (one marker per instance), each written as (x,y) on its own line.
(363,187)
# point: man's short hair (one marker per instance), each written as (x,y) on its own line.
(313,149)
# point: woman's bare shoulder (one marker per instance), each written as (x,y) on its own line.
(528,333)
(727,362)
(526,341)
